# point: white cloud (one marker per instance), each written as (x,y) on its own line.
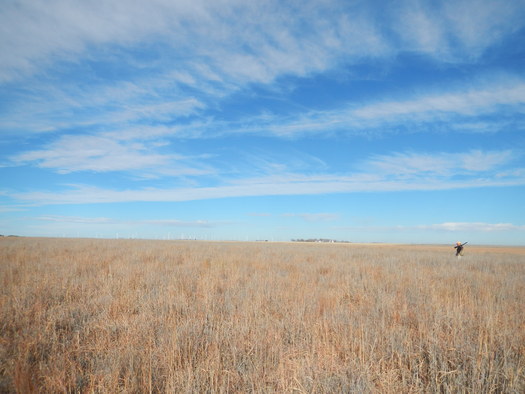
(38,33)
(158,111)
(109,152)
(11,208)
(421,30)
(398,172)
(314,217)
(465,109)
(95,153)
(249,41)
(216,48)
(469,103)
(478,25)
(454,30)
(75,219)
(271,34)
(46,108)
(80,220)
(442,164)
(466,227)
(93,195)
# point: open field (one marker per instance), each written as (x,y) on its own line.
(167,316)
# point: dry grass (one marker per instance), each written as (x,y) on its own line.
(160,316)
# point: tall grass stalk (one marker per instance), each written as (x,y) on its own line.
(165,316)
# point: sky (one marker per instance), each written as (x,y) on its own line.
(360,121)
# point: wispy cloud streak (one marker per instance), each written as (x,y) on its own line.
(171,63)
(110,153)
(398,172)
(466,110)
(112,221)
(447,227)
(272,33)
(465,227)
(314,217)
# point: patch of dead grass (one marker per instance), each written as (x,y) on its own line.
(160,316)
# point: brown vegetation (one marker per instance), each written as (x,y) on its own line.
(160,316)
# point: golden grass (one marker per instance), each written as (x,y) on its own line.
(161,316)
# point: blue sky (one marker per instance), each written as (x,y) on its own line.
(365,121)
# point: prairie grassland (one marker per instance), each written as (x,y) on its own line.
(161,316)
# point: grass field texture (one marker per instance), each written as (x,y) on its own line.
(178,316)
